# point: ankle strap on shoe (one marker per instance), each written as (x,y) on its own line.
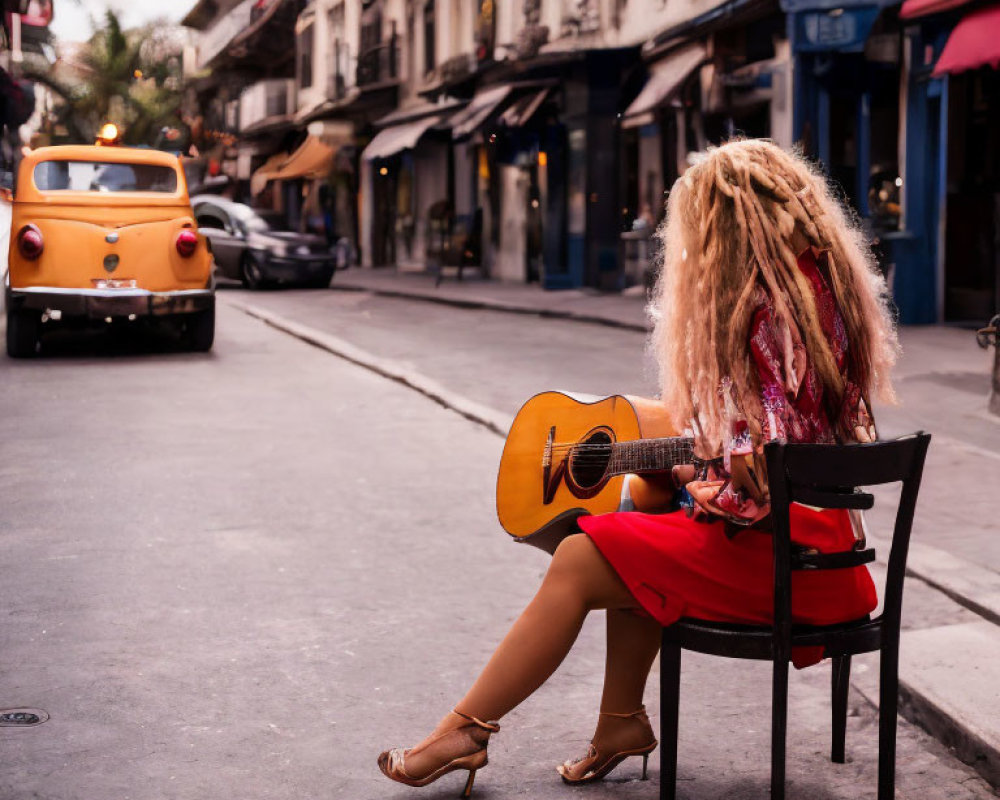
(641,711)
(492,727)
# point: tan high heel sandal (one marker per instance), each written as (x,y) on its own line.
(595,766)
(392,762)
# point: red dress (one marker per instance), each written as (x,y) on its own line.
(679,565)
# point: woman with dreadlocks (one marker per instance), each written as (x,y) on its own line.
(770,323)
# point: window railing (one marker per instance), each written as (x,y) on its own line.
(266,99)
(380,63)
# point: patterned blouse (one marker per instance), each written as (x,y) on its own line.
(734,486)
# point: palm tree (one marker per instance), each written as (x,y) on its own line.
(122,77)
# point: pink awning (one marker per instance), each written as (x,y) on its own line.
(912,9)
(973,43)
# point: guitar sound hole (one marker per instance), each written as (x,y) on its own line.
(590,460)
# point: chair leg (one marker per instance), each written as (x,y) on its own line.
(840,681)
(888,707)
(670,695)
(779,727)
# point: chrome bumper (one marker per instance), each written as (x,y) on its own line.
(100,303)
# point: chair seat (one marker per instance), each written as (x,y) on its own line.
(734,640)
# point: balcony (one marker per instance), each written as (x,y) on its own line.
(340,67)
(266,104)
(256,34)
(379,64)
(213,41)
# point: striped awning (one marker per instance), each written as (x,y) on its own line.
(523,109)
(484,103)
(397,138)
(666,78)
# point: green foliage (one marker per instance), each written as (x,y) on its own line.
(123,76)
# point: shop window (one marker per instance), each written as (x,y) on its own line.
(430,58)
(486,30)
(884,180)
(972,221)
(305,53)
(339,51)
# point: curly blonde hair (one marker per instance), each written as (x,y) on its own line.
(732,221)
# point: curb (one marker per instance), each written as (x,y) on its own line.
(476,412)
(918,707)
(490,304)
(946,687)
(966,743)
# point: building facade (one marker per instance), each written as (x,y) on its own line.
(536,139)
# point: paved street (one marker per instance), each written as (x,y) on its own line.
(244,574)
(501,359)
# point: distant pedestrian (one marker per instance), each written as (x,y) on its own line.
(771,323)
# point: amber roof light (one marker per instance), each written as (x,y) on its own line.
(109,135)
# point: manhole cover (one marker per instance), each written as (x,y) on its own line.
(22,717)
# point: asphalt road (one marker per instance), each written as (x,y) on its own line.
(242,574)
(500,360)
(497,359)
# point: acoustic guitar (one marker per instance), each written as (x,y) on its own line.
(567,455)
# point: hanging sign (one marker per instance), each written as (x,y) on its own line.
(840,29)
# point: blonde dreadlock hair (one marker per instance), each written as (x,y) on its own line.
(729,230)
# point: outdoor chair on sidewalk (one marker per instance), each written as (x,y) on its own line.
(825,476)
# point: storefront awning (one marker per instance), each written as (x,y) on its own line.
(397,138)
(911,9)
(973,43)
(521,112)
(312,159)
(484,103)
(666,77)
(264,172)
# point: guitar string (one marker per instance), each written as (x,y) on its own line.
(599,449)
(597,458)
(650,444)
(624,456)
(607,452)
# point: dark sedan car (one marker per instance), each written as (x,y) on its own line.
(248,248)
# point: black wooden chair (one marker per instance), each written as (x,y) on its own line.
(826,476)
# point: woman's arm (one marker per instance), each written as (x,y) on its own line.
(735,487)
(650,494)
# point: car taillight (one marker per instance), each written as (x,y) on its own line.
(187,243)
(29,242)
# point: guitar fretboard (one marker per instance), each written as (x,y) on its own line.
(650,455)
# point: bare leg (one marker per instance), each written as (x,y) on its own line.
(579,579)
(633,642)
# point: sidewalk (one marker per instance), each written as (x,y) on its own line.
(584,305)
(951,649)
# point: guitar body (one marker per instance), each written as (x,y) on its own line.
(543,485)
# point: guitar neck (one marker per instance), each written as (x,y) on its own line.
(650,455)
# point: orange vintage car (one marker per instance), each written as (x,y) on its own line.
(105,233)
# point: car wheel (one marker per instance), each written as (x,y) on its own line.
(322,282)
(251,273)
(199,330)
(23,332)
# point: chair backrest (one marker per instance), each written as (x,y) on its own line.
(829,476)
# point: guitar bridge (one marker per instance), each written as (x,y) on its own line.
(549,481)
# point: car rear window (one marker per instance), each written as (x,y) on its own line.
(104,176)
